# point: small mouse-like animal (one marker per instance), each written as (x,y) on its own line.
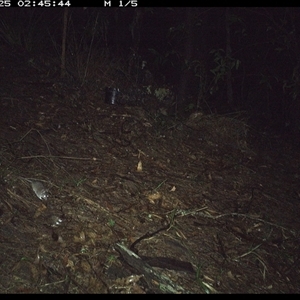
(41,192)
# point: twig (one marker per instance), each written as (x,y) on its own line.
(249,252)
(197,212)
(40,136)
(44,141)
(62,157)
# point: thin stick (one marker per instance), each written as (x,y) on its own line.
(62,157)
(40,136)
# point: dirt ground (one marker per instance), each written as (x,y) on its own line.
(140,202)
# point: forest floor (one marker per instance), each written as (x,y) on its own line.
(140,202)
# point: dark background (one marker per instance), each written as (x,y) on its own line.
(218,60)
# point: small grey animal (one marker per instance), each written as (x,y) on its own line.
(41,192)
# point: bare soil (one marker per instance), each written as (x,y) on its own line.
(139,202)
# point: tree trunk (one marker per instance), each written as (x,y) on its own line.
(228,59)
(188,52)
(63,44)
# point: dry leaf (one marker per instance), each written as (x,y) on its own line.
(173,189)
(39,210)
(154,197)
(85,267)
(139,167)
(70,264)
(81,238)
(230,275)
